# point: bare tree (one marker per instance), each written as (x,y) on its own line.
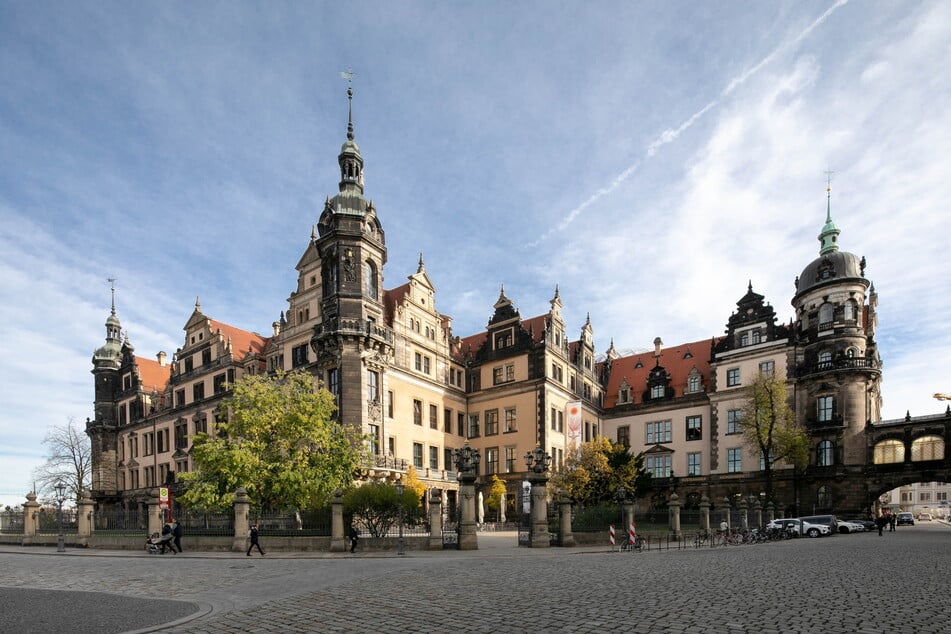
(68,459)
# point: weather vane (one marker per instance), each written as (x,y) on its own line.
(348,75)
(829,174)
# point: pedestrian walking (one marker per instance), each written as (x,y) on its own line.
(177,532)
(354,537)
(254,535)
(881,521)
(892,519)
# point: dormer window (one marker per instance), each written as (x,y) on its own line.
(693,383)
(503,339)
(657,391)
(625,395)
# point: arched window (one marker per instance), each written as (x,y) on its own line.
(850,310)
(371,282)
(825,357)
(824,498)
(825,315)
(825,454)
(927,448)
(889,452)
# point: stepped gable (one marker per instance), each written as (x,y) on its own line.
(153,376)
(242,341)
(392,298)
(678,361)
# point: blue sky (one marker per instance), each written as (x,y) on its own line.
(650,158)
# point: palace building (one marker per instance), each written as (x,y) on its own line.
(419,391)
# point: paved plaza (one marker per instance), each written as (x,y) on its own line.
(847,583)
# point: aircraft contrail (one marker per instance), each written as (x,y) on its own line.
(669,135)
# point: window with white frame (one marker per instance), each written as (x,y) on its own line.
(657,391)
(434,457)
(824,407)
(491,460)
(658,466)
(693,463)
(767,367)
(694,427)
(418,455)
(658,432)
(624,435)
(693,383)
(511,419)
(825,453)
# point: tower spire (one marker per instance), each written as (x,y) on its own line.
(829,236)
(351,163)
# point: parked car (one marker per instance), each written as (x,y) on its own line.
(825,520)
(846,526)
(800,526)
(924,517)
(905,519)
(868,524)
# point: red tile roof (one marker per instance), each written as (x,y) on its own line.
(671,358)
(390,299)
(153,377)
(241,340)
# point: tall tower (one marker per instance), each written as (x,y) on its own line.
(106,361)
(352,344)
(836,368)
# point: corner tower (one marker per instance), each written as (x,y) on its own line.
(836,368)
(106,362)
(352,344)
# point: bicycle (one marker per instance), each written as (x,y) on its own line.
(637,546)
(701,539)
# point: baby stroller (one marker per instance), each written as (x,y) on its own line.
(156,544)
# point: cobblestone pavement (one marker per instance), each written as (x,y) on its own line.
(847,583)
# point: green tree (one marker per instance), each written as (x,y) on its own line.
(769,427)
(496,491)
(279,442)
(68,460)
(376,506)
(594,471)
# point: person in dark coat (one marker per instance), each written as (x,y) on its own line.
(167,536)
(881,521)
(254,535)
(177,531)
(354,537)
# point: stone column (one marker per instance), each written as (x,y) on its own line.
(468,537)
(435,519)
(565,536)
(674,505)
(705,513)
(242,523)
(338,540)
(744,514)
(627,512)
(539,515)
(156,514)
(757,513)
(726,512)
(30,509)
(84,524)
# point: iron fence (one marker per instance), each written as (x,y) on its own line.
(292,523)
(198,522)
(11,522)
(47,522)
(120,521)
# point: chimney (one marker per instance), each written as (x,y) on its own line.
(657,346)
(277,327)
(161,359)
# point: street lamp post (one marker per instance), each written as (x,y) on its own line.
(467,472)
(60,489)
(537,461)
(399,500)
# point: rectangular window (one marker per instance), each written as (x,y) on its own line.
(491,460)
(389,403)
(181,434)
(694,428)
(201,423)
(189,364)
(375,440)
(180,398)
(434,458)
(624,435)
(941,496)
(417,412)
(492,422)
(433,417)
(734,421)
(824,406)
(554,419)
(561,421)
(373,387)
(299,355)
(447,420)
(447,459)
(510,457)
(333,383)
(418,455)
(461,424)
(767,367)
(657,391)
(924,496)
(426,368)
(206,356)
(418,358)
(198,391)
(161,441)
(693,384)
(452,376)
(510,420)
(693,464)
(219,382)
(658,432)
(624,396)
(498,375)
(732,377)
(473,426)
(734,460)
(658,466)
